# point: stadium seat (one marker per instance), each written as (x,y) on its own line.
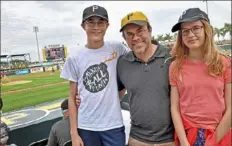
(42,142)
(68,143)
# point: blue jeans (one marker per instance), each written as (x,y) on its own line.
(114,137)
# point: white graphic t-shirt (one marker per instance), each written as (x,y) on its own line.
(94,70)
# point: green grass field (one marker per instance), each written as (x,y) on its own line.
(34,92)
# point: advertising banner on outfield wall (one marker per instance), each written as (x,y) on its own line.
(36,69)
(11,72)
(22,71)
(49,68)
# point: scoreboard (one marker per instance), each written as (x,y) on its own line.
(52,52)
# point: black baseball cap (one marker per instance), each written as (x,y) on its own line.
(95,10)
(189,15)
(64,105)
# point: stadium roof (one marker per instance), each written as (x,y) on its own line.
(14,55)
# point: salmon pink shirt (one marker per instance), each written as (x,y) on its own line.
(202,101)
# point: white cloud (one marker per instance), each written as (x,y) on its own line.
(59,22)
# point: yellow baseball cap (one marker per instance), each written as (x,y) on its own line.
(137,17)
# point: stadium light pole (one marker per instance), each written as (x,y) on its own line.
(36,29)
(206,2)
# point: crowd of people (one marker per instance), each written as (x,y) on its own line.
(177,97)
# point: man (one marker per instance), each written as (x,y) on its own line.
(144,73)
(4,134)
(1,105)
(60,130)
(92,74)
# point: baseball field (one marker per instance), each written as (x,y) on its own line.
(32,89)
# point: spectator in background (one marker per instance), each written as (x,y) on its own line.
(4,131)
(60,130)
(1,105)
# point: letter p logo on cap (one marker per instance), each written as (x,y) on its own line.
(94,8)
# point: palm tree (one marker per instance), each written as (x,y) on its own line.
(160,38)
(168,37)
(228,28)
(223,32)
(217,32)
(164,38)
(206,6)
(175,35)
(154,38)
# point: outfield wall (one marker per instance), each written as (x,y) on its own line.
(35,69)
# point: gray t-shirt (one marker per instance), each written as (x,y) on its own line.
(148,90)
(59,133)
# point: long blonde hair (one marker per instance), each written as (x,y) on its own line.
(212,56)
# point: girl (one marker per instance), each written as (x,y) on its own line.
(200,79)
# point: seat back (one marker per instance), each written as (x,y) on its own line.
(42,142)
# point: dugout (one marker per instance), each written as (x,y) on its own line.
(15,61)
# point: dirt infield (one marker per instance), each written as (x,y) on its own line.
(33,88)
(16,82)
(26,77)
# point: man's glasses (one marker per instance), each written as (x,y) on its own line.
(195,30)
(140,32)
